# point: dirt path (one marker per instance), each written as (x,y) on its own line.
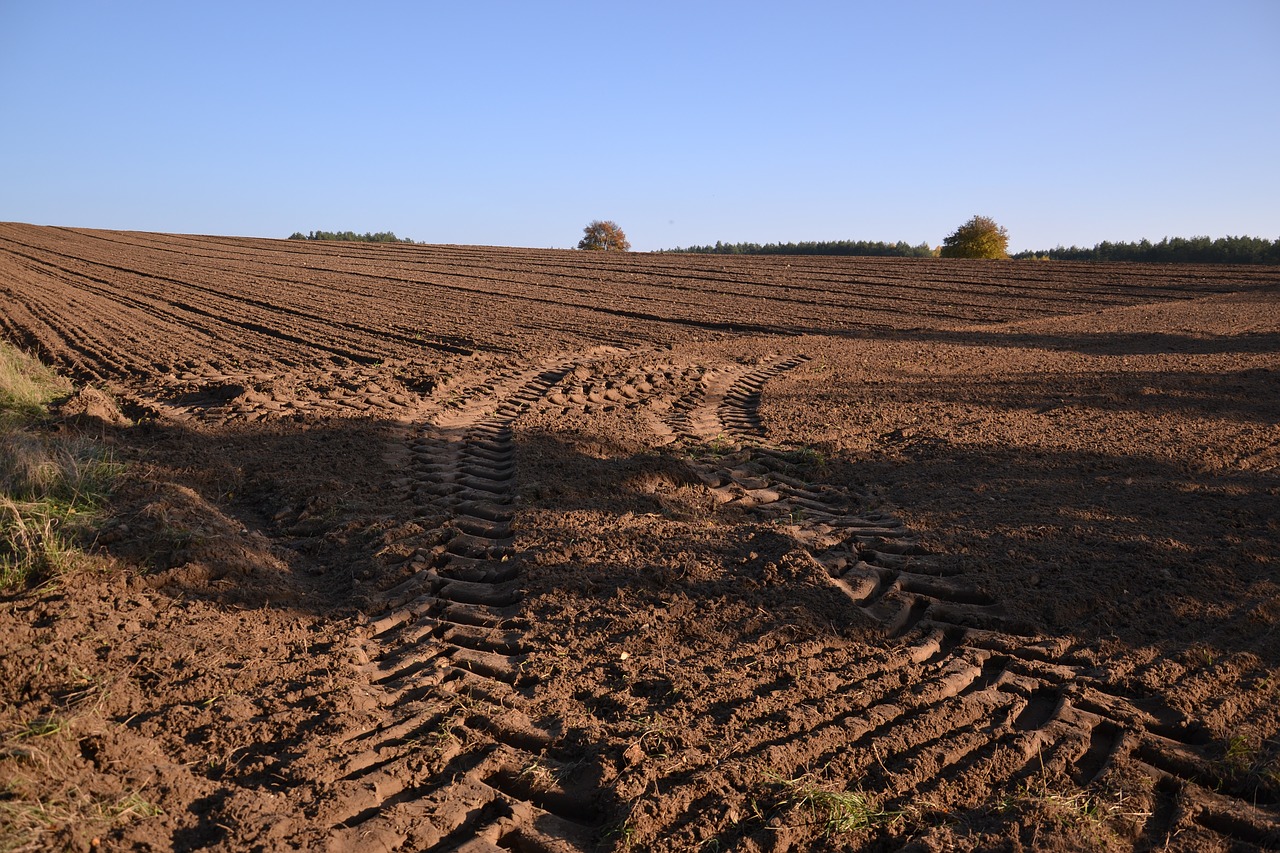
(543,551)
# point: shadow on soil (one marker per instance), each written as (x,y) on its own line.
(1132,551)
(1132,557)
(1100,546)
(284,514)
(1092,545)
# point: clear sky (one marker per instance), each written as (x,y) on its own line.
(515,123)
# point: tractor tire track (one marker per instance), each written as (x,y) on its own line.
(986,691)
(448,659)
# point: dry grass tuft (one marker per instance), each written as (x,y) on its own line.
(37,812)
(26,385)
(836,811)
(51,485)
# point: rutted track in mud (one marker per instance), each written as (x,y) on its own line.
(447,661)
(983,691)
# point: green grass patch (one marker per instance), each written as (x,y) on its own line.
(52,484)
(41,727)
(1251,763)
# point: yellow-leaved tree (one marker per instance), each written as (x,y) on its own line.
(980,237)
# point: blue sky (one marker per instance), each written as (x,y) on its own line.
(515,123)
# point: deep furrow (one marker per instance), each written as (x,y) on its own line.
(187,317)
(765,271)
(234,298)
(868,280)
(88,341)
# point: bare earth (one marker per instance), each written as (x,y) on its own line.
(458,548)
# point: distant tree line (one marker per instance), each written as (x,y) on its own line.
(351,236)
(1172,250)
(868,248)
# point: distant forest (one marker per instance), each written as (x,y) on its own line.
(865,248)
(1172,250)
(351,236)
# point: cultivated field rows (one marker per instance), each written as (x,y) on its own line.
(610,605)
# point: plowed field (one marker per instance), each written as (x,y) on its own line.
(459,548)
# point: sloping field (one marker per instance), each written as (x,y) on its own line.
(440,548)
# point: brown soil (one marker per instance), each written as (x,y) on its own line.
(437,548)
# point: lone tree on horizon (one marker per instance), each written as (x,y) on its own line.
(603,236)
(980,237)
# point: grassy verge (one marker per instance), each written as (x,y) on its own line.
(51,483)
(53,486)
